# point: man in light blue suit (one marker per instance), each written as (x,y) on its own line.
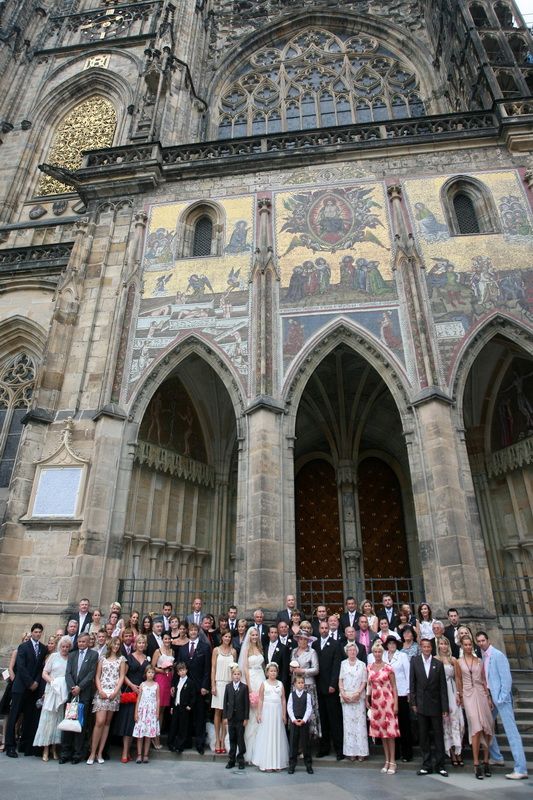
(500,685)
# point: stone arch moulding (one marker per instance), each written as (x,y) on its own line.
(498,323)
(104,51)
(390,34)
(18,332)
(189,217)
(52,108)
(482,200)
(343,331)
(171,359)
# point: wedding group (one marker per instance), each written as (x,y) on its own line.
(263,693)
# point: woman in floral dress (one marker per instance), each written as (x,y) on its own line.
(146,715)
(110,674)
(382,700)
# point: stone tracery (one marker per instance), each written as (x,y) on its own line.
(318,79)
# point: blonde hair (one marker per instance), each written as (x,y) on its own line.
(378,644)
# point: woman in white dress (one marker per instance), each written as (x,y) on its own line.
(352,690)
(454,723)
(424,623)
(271,750)
(251,663)
(223,657)
(55,694)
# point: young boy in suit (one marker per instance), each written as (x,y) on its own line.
(184,697)
(299,710)
(236,711)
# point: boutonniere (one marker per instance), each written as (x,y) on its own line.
(328,643)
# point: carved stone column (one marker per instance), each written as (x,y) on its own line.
(351,530)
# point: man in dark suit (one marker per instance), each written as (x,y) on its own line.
(126,648)
(79,676)
(236,710)
(388,612)
(285,635)
(72,633)
(285,615)
(429,700)
(451,631)
(197,656)
(350,618)
(154,639)
(321,616)
(327,684)
(278,653)
(262,629)
(29,664)
(364,636)
(83,616)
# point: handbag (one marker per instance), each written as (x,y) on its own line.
(75,711)
(69,725)
(128,697)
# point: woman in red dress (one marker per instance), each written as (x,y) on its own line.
(382,700)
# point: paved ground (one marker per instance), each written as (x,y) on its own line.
(169,778)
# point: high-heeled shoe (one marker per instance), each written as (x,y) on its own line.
(45,758)
(478,772)
(385,768)
(392,768)
(486,769)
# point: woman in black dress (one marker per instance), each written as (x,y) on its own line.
(136,665)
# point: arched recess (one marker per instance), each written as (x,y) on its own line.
(398,46)
(187,227)
(344,399)
(177,506)
(494,389)
(52,107)
(22,343)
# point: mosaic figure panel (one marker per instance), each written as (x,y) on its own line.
(470,276)
(383,324)
(333,246)
(207,295)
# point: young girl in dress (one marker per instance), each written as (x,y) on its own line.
(271,750)
(146,715)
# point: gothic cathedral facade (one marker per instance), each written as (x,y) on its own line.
(266,303)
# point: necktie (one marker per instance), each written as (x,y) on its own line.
(191,649)
(36,649)
(80,659)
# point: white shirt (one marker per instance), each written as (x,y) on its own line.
(271,647)
(334,634)
(283,639)
(181,681)
(83,617)
(400,664)
(308,710)
(81,657)
(323,642)
(197,615)
(427,664)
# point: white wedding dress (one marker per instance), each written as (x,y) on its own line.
(256,675)
(271,749)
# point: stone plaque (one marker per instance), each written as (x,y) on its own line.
(57,492)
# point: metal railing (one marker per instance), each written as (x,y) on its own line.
(331,592)
(147,595)
(514,607)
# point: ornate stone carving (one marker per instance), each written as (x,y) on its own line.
(175,464)
(89,125)
(510,458)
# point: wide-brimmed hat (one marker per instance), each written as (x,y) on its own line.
(302,635)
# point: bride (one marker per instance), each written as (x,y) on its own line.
(251,663)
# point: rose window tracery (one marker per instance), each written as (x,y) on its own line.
(318,79)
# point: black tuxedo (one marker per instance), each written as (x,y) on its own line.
(73,744)
(329,707)
(233,629)
(28,670)
(393,620)
(199,671)
(283,616)
(316,626)
(281,657)
(449,633)
(344,621)
(86,623)
(151,645)
(181,713)
(236,710)
(430,698)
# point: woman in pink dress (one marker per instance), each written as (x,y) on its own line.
(382,700)
(474,696)
(163,661)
